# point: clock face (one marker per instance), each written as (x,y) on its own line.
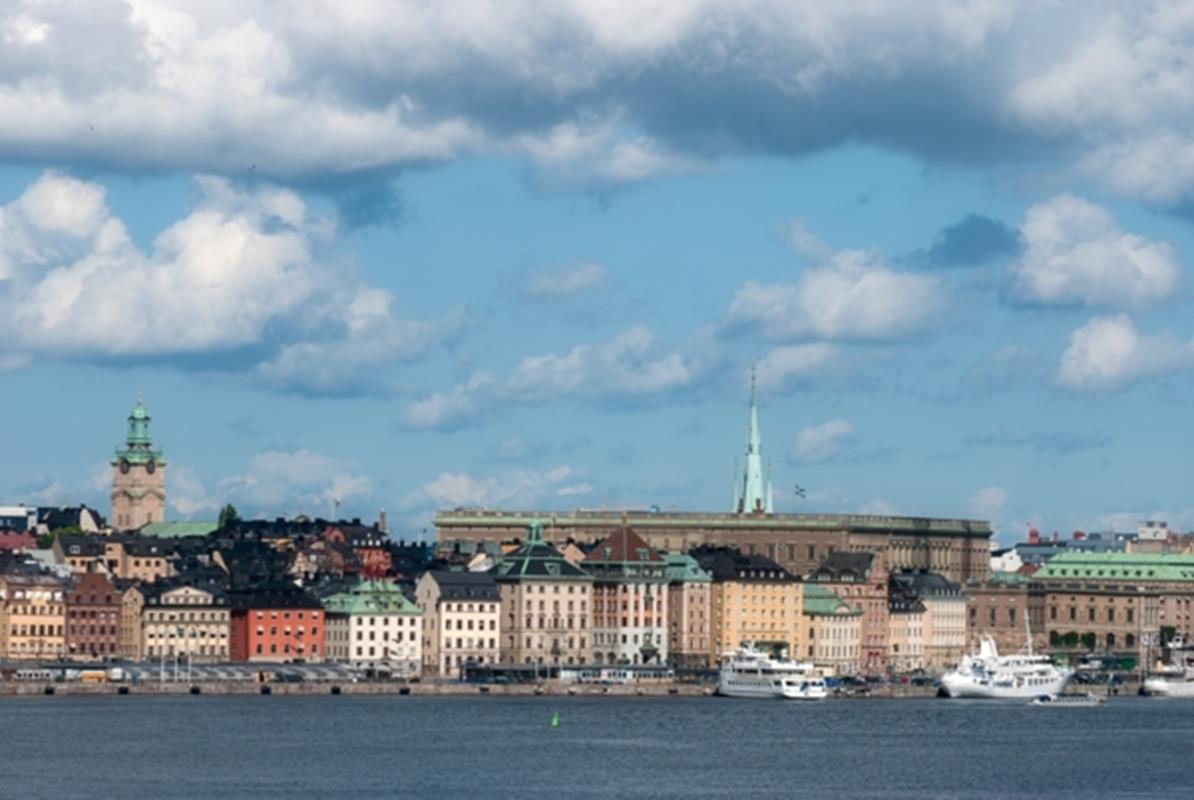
(151,466)
(124,466)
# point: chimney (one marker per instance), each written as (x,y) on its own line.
(381,522)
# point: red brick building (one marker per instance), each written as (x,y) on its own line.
(277,623)
(93,605)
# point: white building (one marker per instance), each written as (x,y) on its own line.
(374,626)
(461,620)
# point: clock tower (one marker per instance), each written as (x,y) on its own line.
(138,477)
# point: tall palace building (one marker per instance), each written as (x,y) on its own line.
(138,477)
(959,549)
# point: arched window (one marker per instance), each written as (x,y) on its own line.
(1110,640)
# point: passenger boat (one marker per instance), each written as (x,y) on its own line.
(1175,679)
(749,672)
(1068,700)
(988,675)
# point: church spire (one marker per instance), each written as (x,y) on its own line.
(751,495)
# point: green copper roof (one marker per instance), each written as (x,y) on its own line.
(683,568)
(536,560)
(819,600)
(138,446)
(371,597)
(177,530)
(1176,567)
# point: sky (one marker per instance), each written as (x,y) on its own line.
(408,256)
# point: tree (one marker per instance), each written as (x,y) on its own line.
(46,540)
(228,515)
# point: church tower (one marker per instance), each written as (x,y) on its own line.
(138,477)
(751,495)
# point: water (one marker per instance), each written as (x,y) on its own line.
(324,746)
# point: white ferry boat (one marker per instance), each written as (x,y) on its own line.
(753,673)
(988,675)
(1175,679)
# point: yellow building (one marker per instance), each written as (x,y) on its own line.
(32,618)
(752,600)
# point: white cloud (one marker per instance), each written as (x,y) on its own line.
(567,281)
(853,296)
(605,92)
(1075,254)
(989,503)
(239,269)
(631,365)
(790,365)
(457,489)
(879,507)
(821,442)
(1108,352)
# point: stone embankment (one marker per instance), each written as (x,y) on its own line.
(431,688)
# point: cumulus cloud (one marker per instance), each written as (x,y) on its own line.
(273,482)
(630,366)
(242,271)
(792,365)
(591,92)
(577,279)
(1076,254)
(460,489)
(1109,353)
(854,296)
(821,442)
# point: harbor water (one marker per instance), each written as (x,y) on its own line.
(508,747)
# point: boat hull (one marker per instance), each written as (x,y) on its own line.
(1168,687)
(965,687)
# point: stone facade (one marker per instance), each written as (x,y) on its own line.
(546,605)
(184,621)
(860,578)
(834,631)
(629,600)
(32,618)
(461,620)
(957,549)
(688,612)
(93,617)
(372,625)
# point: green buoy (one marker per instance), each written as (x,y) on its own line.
(555,719)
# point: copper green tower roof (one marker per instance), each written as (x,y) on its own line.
(138,448)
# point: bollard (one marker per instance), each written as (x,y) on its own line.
(335,690)
(265,690)
(122,690)
(196,690)
(48,690)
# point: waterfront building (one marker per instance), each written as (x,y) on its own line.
(833,631)
(688,612)
(184,621)
(944,620)
(1006,607)
(861,580)
(32,618)
(132,639)
(461,620)
(752,600)
(138,476)
(93,617)
(373,625)
(629,600)
(276,622)
(905,633)
(16,540)
(545,605)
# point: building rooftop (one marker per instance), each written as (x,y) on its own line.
(1175,567)
(178,530)
(371,597)
(534,559)
(462,585)
(820,601)
(683,568)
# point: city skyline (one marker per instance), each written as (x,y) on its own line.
(455,269)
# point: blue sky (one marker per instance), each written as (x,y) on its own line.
(407,259)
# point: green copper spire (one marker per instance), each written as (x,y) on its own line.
(750,492)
